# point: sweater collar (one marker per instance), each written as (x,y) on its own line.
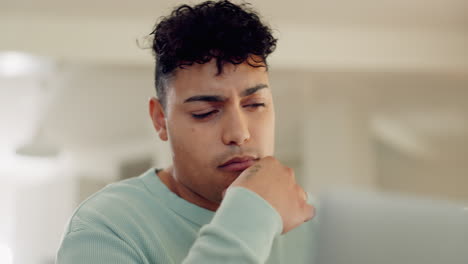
(191,212)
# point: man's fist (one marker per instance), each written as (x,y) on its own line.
(276,183)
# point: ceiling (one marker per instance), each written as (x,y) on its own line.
(365,34)
(440,13)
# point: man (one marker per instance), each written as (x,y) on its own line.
(225,199)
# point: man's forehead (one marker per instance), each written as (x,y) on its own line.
(202,79)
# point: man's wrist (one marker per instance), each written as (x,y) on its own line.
(250,218)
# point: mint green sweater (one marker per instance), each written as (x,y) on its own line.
(140,220)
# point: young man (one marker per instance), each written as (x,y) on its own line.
(225,199)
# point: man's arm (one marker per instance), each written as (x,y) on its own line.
(242,231)
(262,203)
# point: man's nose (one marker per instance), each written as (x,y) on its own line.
(236,128)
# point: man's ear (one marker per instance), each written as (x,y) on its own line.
(158,117)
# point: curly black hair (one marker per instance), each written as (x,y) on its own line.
(219,30)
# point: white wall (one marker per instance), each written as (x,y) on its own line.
(337,143)
(439,178)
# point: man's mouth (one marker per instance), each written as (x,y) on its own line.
(237,164)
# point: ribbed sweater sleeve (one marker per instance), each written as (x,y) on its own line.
(242,231)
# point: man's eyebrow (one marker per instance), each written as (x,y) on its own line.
(218,98)
(205,98)
(253,90)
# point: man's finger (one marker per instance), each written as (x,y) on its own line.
(301,192)
(304,195)
(309,212)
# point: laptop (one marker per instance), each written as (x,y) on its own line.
(373,228)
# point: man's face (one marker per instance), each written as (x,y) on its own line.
(211,119)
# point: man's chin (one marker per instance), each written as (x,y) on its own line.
(229,176)
(232,174)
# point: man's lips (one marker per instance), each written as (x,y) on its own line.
(237,164)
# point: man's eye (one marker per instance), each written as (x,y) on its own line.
(255,105)
(201,116)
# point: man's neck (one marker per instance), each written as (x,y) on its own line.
(167,177)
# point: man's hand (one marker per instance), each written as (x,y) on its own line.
(276,183)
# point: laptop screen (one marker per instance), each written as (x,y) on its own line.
(366,228)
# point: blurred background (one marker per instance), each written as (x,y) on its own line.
(369,94)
